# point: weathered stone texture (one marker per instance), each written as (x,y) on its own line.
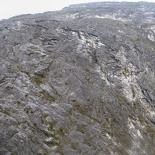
(80,81)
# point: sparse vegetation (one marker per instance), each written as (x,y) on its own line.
(79,81)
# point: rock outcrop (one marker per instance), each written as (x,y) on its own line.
(80,81)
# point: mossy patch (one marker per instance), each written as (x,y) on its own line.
(20,69)
(37,80)
(46,96)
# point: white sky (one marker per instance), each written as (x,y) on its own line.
(9,8)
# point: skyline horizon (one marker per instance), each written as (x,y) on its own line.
(31,8)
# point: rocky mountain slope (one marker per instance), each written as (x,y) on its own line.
(80,81)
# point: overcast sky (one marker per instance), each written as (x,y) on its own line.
(9,8)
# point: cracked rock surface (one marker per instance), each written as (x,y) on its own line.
(80,81)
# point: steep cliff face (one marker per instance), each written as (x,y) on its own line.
(80,81)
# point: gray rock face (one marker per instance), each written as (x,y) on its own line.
(80,81)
